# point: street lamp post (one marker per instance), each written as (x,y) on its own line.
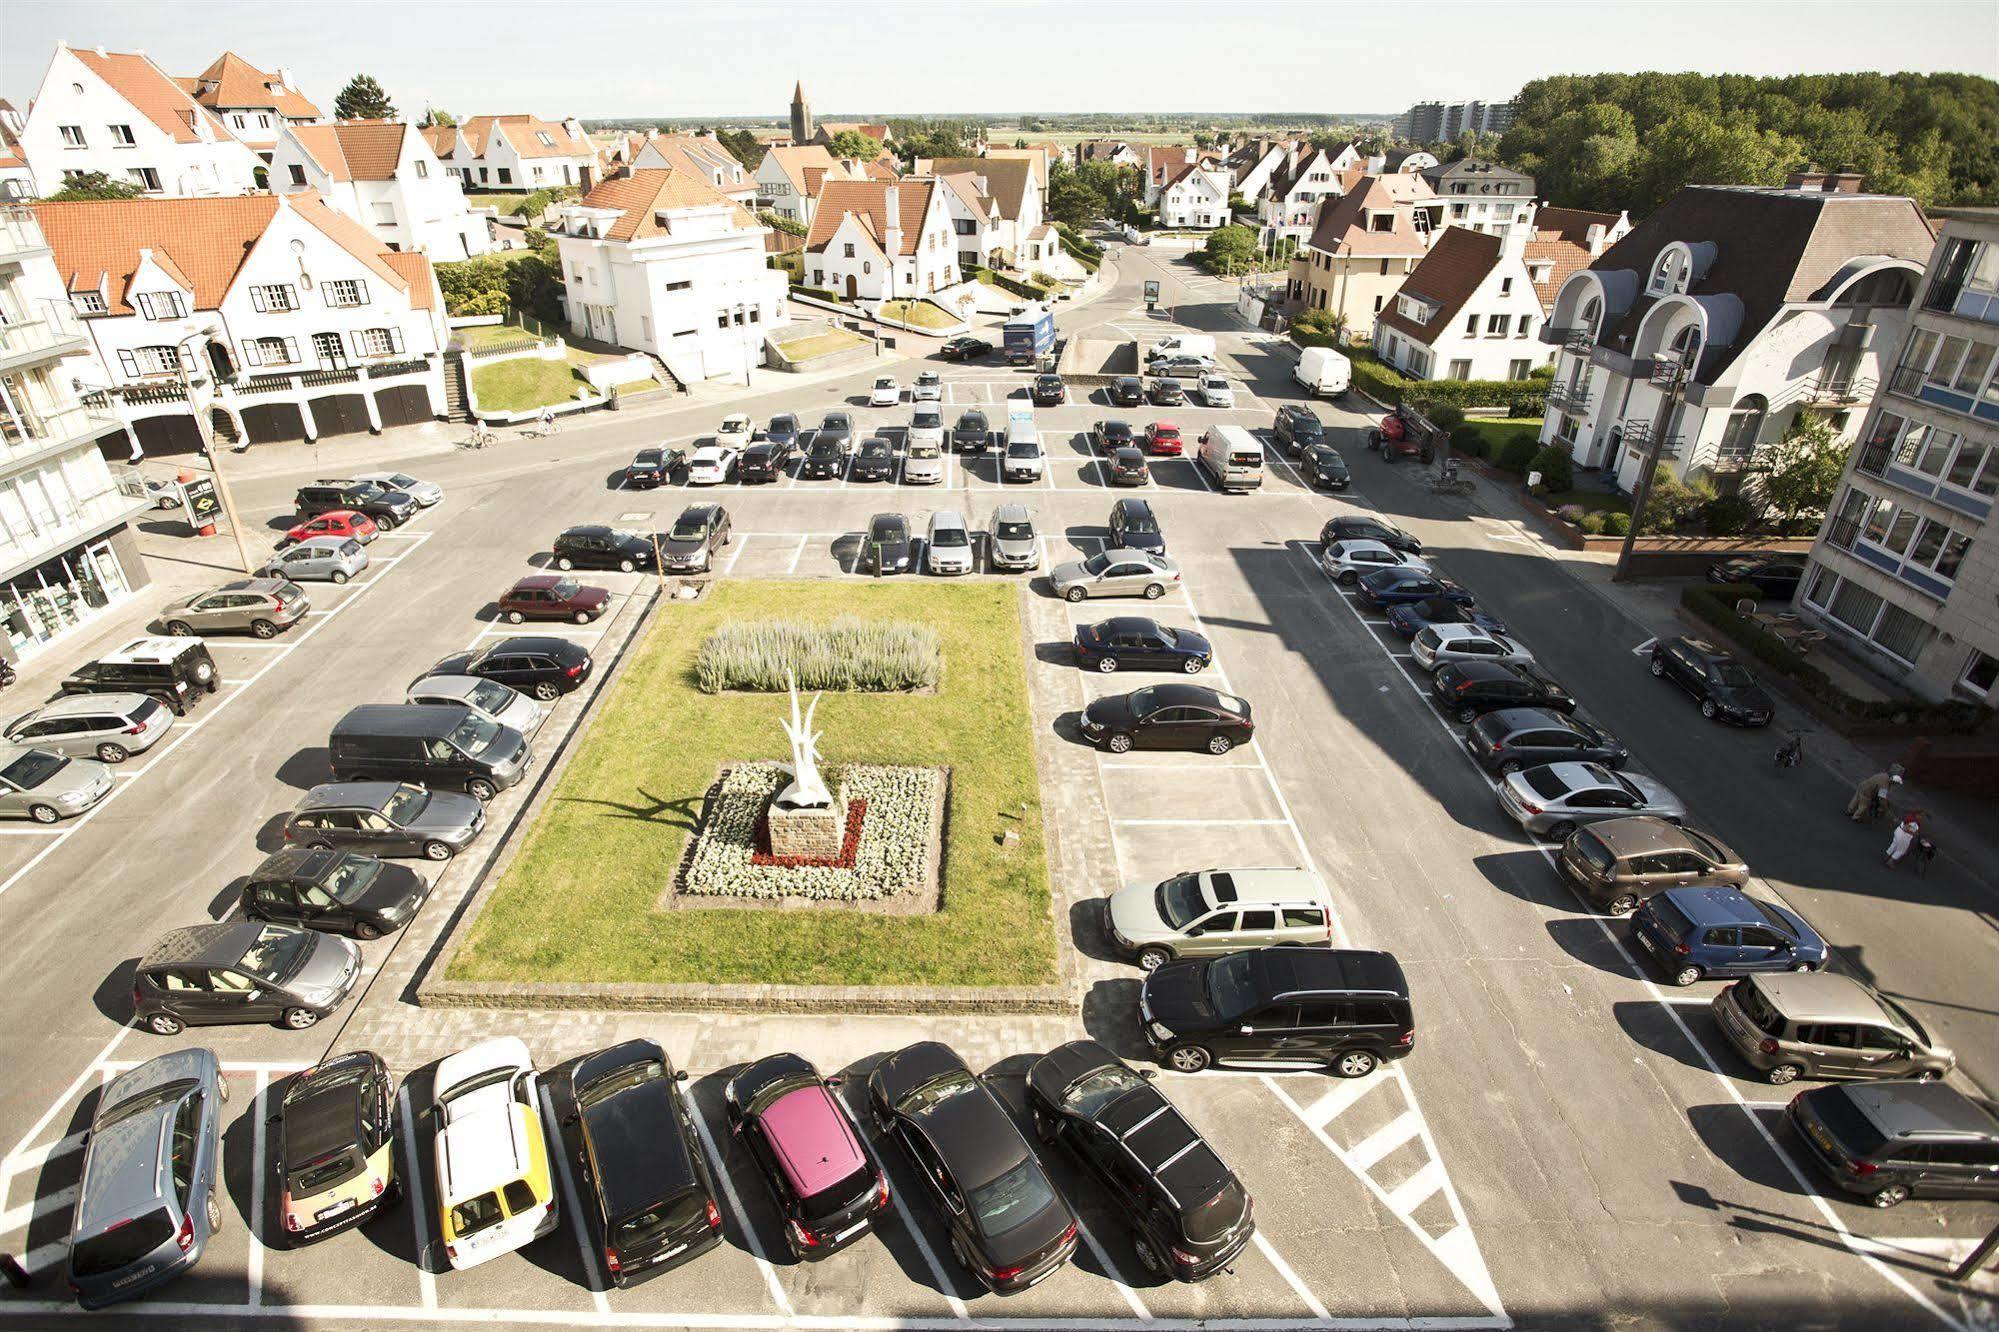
(207,437)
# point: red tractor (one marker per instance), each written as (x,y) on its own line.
(1404,433)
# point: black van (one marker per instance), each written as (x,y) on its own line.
(430,745)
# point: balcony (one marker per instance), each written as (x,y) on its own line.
(20,235)
(1733,460)
(32,434)
(1841,532)
(1950,295)
(51,331)
(1572,398)
(1560,337)
(1835,389)
(1637,437)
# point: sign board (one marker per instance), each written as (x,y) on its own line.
(199,497)
(1151,291)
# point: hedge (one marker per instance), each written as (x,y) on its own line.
(878,656)
(1715,606)
(799,289)
(1077,241)
(1005,283)
(1384,383)
(537,203)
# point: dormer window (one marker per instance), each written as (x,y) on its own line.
(88,302)
(1592,313)
(1670,271)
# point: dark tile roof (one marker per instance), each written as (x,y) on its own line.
(1458,261)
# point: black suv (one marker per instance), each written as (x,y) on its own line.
(602,548)
(173,672)
(1107,437)
(1468,689)
(1126,391)
(386,507)
(546,668)
(1050,391)
(1344,1009)
(972,433)
(645,1184)
(1298,428)
(1133,527)
(765,460)
(1889,1141)
(1726,689)
(1190,1213)
(1357,527)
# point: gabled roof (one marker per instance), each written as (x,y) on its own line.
(642,196)
(796,161)
(966,187)
(524,132)
(153,94)
(233,81)
(829,128)
(441,138)
(1561,240)
(353,149)
(698,154)
(1192,169)
(1450,273)
(1163,159)
(1006,178)
(1036,155)
(413,266)
(867,201)
(1473,171)
(1342,222)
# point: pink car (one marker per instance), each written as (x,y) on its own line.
(825,1180)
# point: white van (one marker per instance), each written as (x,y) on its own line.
(1324,372)
(1020,455)
(1232,457)
(1182,344)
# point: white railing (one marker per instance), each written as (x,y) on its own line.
(48,327)
(19,232)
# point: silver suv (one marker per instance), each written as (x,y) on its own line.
(107,727)
(1012,543)
(1816,1024)
(1205,913)
(262,606)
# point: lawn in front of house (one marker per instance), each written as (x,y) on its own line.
(580,900)
(1497,430)
(524,383)
(923,314)
(822,344)
(482,337)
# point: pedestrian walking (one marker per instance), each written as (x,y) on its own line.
(1900,840)
(1873,789)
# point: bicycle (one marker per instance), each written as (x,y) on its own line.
(478,439)
(1792,751)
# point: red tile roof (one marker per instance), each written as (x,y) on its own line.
(1342,222)
(1459,259)
(152,93)
(233,81)
(524,132)
(868,200)
(642,196)
(354,149)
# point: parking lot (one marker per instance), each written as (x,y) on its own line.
(1568,1145)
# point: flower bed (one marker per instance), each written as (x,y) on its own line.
(888,839)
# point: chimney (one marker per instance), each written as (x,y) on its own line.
(1810,179)
(1513,242)
(892,221)
(285,77)
(1594,239)
(1291,159)
(1843,182)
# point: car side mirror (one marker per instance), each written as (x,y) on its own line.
(680,1075)
(837,1080)
(1196,931)
(571,1120)
(1244,1030)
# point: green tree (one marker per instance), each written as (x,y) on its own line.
(853,143)
(1074,199)
(94,185)
(363,99)
(1203,140)
(742,146)
(1230,249)
(436,119)
(1805,468)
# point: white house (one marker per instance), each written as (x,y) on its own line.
(120,114)
(1009,182)
(1197,197)
(1163,162)
(662,262)
(1289,203)
(701,155)
(1775,302)
(1468,311)
(882,240)
(294,321)
(516,152)
(1485,196)
(254,104)
(975,219)
(792,175)
(384,176)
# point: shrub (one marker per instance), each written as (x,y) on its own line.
(1672,505)
(1556,466)
(1616,523)
(874,656)
(1469,441)
(819,292)
(1445,417)
(1594,521)
(889,855)
(1728,515)
(1516,455)
(537,203)
(1571,514)
(1529,404)
(485,303)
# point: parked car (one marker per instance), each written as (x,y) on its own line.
(1827,1026)
(948,548)
(765,460)
(338,523)
(824,459)
(1181,367)
(1207,913)
(1510,739)
(1412,617)
(645,1183)
(652,467)
(1169,716)
(1011,543)
(711,464)
(874,462)
(885,393)
(386,819)
(1142,644)
(336,891)
(1441,644)
(545,668)
(1123,574)
(1891,1141)
(1322,466)
(783,429)
(838,426)
(1553,799)
(929,387)
(689,546)
(1009,1224)
(174,672)
(1399,584)
(1702,933)
(926,428)
(888,548)
(1126,391)
(1107,437)
(1022,461)
(1356,526)
(1346,561)
(736,431)
(596,547)
(965,347)
(1133,526)
(1297,429)
(1468,689)
(107,727)
(821,1173)
(147,1195)
(333,1147)
(1618,863)
(489,1152)
(425,493)
(1190,1216)
(972,433)
(42,785)
(262,607)
(1165,392)
(485,698)
(1215,392)
(1726,689)
(1773,577)
(242,971)
(387,507)
(1127,468)
(1345,1010)
(552,597)
(432,746)
(1162,439)
(923,459)
(334,559)
(1049,391)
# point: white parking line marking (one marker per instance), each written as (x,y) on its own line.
(1110,1270)
(777,1294)
(798,554)
(1336,1101)
(1411,1193)
(69,1094)
(254,1267)
(1369,1152)
(19,1217)
(1298,1288)
(741,543)
(426,1280)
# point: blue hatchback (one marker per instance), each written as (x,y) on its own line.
(1413,617)
(1696,933)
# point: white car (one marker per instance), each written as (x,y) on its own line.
(949,548)
(711,465)
(735,430)
(1022,460)
(926,426)
(929,387)
(1439,644)
(425,493)
(1346,561)
(495,1190)
(886,392)
(1215,392)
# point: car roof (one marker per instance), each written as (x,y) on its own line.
(1012,513)
(1822,996)
(75,705)
(640,1157)
(556,647)
(1574,776)
(1138,508)
(812,1139)
(1916,1109)
(1300,970)
(152,651)
(425,720)
(298,862)
(945,518)
(888,519)
(327,1118)
(1449,632)
(267,586)
(1505,721)
(706,512)
(332,543)
(1715,906)
(334,795)
(587,529)
(1639,834)
(202,945)
(1702,647)
(1173,695)
(537,582)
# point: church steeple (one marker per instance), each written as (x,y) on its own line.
(801,115)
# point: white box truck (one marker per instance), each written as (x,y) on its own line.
(1324,372)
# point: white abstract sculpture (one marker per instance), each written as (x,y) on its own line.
(807,790)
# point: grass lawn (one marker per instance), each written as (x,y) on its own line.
(822,344)
(482,336)
(578,901)
(923,314)
(1497,430)
(524,383)
(496,199)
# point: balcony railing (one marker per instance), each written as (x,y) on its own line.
(1637,436)
(1943,294)
(1831,387)
(41,430)
(1841,532)
(1733,460)
(1906,380)
(52,326)
(1572,398)
(1874,457)
(20,233)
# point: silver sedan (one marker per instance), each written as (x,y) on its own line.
(42,785)
(1116,573)
(1553,800)
(335,559)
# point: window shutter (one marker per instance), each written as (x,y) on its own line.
(291,351)
(145,304)
(251,356)
(360,291)
(257,301)
(358,343)
(395,340)
(129,363)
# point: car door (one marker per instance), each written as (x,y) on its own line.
(1320,1030)
(1763,949)
(210,611)
(1721,949)
(1256,928)
(276,902)
(1122,578)
(373,829)
(1963,1169)
(1143,648)
(191,997)
(1211,936)
(1831,1049)
(239,997)
(1259,1035)
(1884,1052)
(320,910)
(507,670)
(1301,925)
(1685,670)
(52,733)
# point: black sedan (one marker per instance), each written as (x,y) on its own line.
(336,891)
(1397,585)
(1050,391)
(1322,466)
(1134,641)
(1190,1216)
(1126,391)
(765,460)
(838,426)
(823,460)
(964,347)
(1359,527)
(1724,687)
(1412,618)
(652,467)
(971,434)
(888,548)
(874,461)
(1127,468)
(1469,689)
(1166,393)
(1008,1223)
(545,668)
(1169,716)
(1107,437)
(1772,576)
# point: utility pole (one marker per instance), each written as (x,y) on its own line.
(1671,376)
(207,438)
(1978,1257)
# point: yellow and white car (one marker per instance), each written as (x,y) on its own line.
(495,1192)
(335,1140)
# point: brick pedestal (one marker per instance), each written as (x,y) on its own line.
(811,834)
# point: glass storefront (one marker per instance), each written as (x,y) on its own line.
(41,604)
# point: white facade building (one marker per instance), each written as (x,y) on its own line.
(792,175)
(883,240)
(1484,196)
(1288,205)
(975,220)
(1468,311)
(254,104)
(384,176)
(1197,197)
(523,153)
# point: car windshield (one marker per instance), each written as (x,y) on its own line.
(971,421)
(920,450)
(1733,674)
(150,1099)
(403,480)
(646,458)
(1229,987)
(620,1079)
(1180,902)
(1022,448)
(565,588)
(876,448)
(1014,1198)
(490,696)
(404,804)
(888,533)
(1099,1087)
(125,1243)
(825,448)
(783,425)
(949,536)
(935,1091)
(1906,1018)
(33,768)
(475,735)
(1014,531)
(884,383)
(324,1173)
(1143,704)
(689,528)
(351,877)
(276,953)
(310,1088)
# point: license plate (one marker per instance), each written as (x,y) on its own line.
(1652,944)
(1820,1136)
(327,1213)
(851,1231)
(1043,1277)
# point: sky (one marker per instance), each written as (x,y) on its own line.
(604,59)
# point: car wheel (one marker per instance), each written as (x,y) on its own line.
(1783,1074)
(1193,665)
(393,1194)
(180,628)
(1346,577)
(958,1255)
(1151,959)
(1508,768)
(1893,1195)
(626,566)
(1355,1063)
(1118,744)
(564,563)
(1686,975)
(165,1024)
(1624,905)
(584,617)
(386,523)
(1658,666)
(515,617)
(367,930)
(298,1019)
(1559,832)
(1467,715)
(1148,1257)
(436,851)
(1153,591)
(480,790)
(547,692)
(1188,1058)
(263,629)
(214,1215)
(1220,744)
(1074,594)
(43,813)
(110,753)
(204,673)
(1708,709)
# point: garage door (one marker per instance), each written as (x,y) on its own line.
(273,422)
(159,436)
(341,414)
(406,404)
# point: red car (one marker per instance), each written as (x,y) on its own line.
(335,523)
(826,1182)
(1394,438)
(552,597)
(1163,437)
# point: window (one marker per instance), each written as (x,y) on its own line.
(1926,448)
(385,214)
(1498,326)
(160,305)
(298,174)
(146,178)
(1901,634)
(1568,428)
(849,251)
(274,298)
(72,136)
(546,141)
(377,341)
(88,302)
(332,352)
(1461,369)
(1519,369)
(344,292)
(263,122)
(1526,328)
(1471,326)
(150,361)
(1980,674)
(1670,271)
(121,136)
(1506,286)
(271,351)
(506,175)
(681,285)
(1381,221)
